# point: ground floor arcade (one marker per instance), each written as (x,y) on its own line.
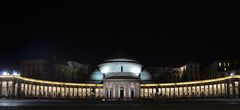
(20,87)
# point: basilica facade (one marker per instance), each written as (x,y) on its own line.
(119,78)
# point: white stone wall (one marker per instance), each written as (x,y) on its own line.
(116,84)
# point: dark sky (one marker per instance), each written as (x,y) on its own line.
(67,37)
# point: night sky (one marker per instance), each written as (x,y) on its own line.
(67,37)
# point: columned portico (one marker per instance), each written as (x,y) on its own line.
(121,87)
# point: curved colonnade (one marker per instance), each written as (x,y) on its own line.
(21,87)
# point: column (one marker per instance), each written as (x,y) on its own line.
(74,92)
(23,88)
(33,90)
(42,90)
(165,93)
(215,89)
(169,92)
(27,91)
(88,92)
(153,94)
(205,89)
(30,89)
(225,89)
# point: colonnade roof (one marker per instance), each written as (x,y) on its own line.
(192,82)
(142,85)
(51,82)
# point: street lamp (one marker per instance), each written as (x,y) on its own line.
(5,73)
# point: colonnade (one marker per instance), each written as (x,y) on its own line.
(225,88)
(17,88)
(20,87)
(58,91)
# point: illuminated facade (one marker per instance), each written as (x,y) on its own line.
(119,78)
(121,86)
(19,87)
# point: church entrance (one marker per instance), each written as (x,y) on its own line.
(121,92)
(132,93)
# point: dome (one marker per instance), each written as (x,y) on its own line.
(118,64)
(120,56)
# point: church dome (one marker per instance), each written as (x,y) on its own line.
(120,63)
(120,56)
